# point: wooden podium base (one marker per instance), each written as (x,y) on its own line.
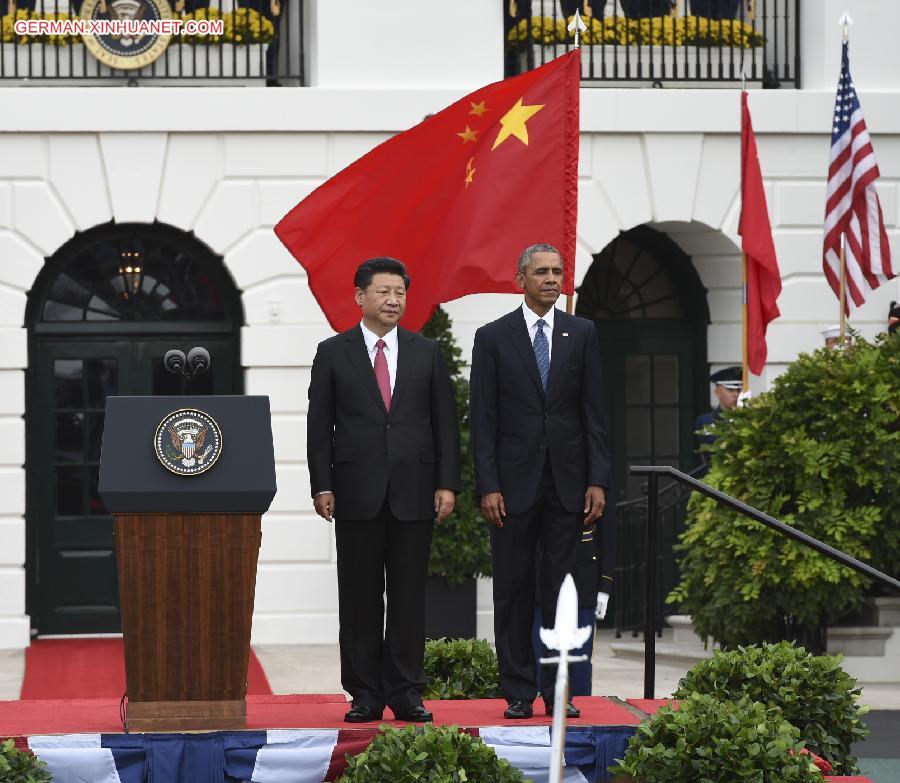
(186,715)
(187,583)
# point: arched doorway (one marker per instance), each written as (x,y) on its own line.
(103,312)
(650,309)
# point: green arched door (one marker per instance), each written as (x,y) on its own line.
(650,309)
(101,316)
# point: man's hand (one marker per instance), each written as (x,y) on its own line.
(594,503)
(444,500)
(492,508)
(602,603)
(324,505)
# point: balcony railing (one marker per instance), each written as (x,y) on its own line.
(690,43)
(261,42)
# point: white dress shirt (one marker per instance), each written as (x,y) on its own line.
(531,319)
(390,349)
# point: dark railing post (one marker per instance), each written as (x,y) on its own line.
(650,588)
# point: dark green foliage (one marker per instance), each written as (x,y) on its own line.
(820,453)
(18,766)
(461,669)
(430,754)
(460,547)
(710,741)
(813,693)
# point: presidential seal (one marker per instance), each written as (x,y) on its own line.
(132,48)
(188,442)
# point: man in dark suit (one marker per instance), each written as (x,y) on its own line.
(541,460)
(383,455)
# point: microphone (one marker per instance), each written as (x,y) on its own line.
(174,361)
(198,360)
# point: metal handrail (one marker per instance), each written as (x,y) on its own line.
(653,472)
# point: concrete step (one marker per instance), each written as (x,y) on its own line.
(883,611)
(666,652)
(871,654)
(866,641)
(851,640)
(683,629)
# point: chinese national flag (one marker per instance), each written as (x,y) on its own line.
(763,277)
(456,198)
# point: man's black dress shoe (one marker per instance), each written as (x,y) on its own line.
(520,709)
(417,714)
(360,713)
(571,710)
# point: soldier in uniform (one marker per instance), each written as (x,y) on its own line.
(894,318)
(832,336)
(728,383)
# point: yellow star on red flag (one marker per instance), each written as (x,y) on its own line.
(513,123)
(468,135)
(470,172)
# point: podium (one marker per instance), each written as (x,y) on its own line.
(187,480)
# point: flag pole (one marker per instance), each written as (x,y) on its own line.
(745,361)
(845,21)
(578,26)
(745,377)
(843,296)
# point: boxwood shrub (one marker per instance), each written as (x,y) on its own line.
(812,692)
(17,766)
(714,741)
(428,754)
(461,669)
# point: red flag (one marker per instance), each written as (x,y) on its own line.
(763,277)
(456,198)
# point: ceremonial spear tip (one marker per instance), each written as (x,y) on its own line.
(845,21)
(566,635)
(577,25)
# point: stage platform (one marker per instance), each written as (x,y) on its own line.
(303,739)
(298,738)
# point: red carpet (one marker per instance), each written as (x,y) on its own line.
(22,718)
(93,669)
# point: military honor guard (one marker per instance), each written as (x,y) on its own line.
(727,389)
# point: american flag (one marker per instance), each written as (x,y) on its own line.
(852,208)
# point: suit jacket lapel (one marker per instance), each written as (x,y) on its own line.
(359,357)
(406,359)
(521,340)
(562,348)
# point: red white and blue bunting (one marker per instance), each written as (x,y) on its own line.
(297,756)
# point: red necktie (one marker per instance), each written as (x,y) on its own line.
(382,375)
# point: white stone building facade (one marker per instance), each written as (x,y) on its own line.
(226,163)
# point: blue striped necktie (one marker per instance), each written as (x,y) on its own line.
(542,352)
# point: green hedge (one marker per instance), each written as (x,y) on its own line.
(461,669)
(812,692)
(706,740)
(18,766)
(430,754)
(819,452)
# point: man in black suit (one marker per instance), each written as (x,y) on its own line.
(383,455)
(541,460)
